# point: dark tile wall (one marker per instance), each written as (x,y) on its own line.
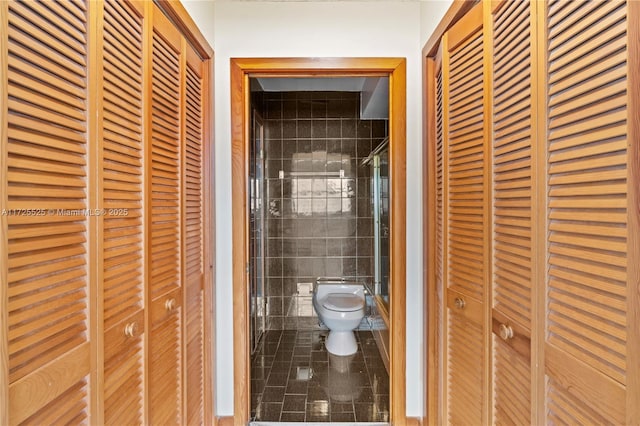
(319,221)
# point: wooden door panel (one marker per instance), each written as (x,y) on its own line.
(466,307)
(68,408)
(465,165)
(193,193)
(165,370)
(165,210)
(47,228)
(103,169)
(58,382)
(164,306)
(565,408)
(435,391)
(561,140)
(123,222)
(512,334)
(512,197)
(465,371)
(194,357)
(587,284)
(165,161)
(511,149)
(463,216)
(124,377)
(569,379)
(511,384)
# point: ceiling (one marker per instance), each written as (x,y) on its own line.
(374,91)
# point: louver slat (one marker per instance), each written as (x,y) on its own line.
(48,304)
(587,216)
(122,192)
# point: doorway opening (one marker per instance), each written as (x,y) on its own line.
(258,175)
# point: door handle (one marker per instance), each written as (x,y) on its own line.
(459,302)
(505,332)
(131,329)
(170,305)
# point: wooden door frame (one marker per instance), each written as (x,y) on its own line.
(431,304)
(241,70)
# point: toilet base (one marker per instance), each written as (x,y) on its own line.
(341,343)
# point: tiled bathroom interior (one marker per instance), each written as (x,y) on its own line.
(318,223)
(319,218)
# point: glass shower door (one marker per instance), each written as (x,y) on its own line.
(257,300)
(380,200)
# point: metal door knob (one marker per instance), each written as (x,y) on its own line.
(460,303)
(131,329)
(505,332)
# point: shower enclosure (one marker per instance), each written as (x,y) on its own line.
(378,160)
(257,300)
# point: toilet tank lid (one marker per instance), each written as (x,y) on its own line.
(344,302)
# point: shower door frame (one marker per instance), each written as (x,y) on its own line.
(256,194)
(241,70)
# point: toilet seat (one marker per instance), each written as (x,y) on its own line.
(342,302)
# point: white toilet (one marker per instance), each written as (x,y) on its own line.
(340,306)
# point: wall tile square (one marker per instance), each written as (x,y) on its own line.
(319,129)
(349,127)
(334,247)
(334,129)
(304,128)
(364,129)
(319,108)
(274,247)
(273,149)
(289,109)
(289,129)
(304,108)
(289,147)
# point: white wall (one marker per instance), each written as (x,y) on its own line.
(203,14)
(431,11)
(316,29)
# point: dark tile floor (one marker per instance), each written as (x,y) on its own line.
(295,379)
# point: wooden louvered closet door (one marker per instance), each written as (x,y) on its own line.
(193,237)
(513,130)
(591,336)
(464,218)
(440,248)
(121,199)
(165,230)
(561,222)
(47,313)
(106,278)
